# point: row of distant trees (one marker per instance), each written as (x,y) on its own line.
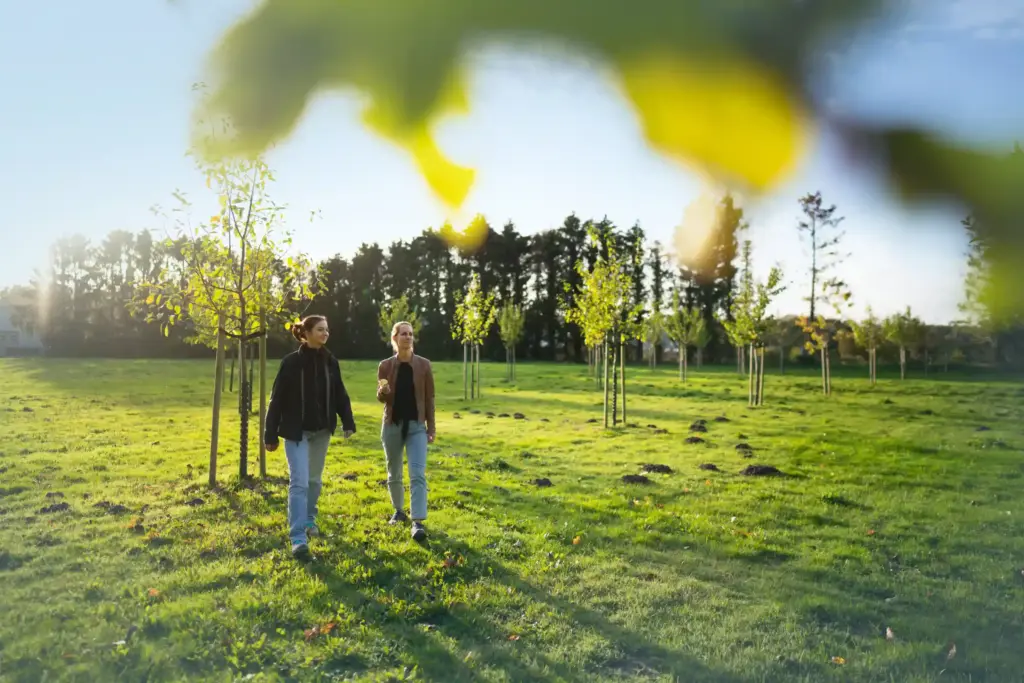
(78,305)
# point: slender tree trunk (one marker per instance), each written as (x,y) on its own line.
(782,360)
(263,393)
(479,384)
(751,382)
(243,414)
(682,363)
(465,371)
(231,378)
(622,356)
(218,389)
(903,362)
(616,350)
(760,382)
(241,372)
(686,361)
(700,357)
(824,371)
(606,387)
(828,372)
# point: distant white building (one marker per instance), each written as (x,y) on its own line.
(15,342)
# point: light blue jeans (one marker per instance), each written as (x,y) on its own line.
(415,446)
(306,460)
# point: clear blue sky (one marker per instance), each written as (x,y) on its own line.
(96,101)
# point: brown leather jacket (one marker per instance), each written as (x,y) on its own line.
(423,383)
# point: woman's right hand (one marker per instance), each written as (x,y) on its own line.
(271,447)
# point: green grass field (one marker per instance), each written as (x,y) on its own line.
(901,510)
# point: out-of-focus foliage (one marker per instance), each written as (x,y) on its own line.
(720,85)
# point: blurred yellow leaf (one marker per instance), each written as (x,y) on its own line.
(729,116)
(838,660)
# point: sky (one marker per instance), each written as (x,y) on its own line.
(95,125)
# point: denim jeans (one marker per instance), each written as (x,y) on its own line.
(306,460)
(415,446)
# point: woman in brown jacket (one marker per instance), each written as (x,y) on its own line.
(405,385)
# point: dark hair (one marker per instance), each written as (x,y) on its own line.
(300,329)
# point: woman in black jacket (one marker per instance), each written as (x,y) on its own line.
(307,399)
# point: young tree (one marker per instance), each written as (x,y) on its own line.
(820,227)
(869,335)
(398,311)
(660,274)
(686,327)
(750,323)
(231,281)
(784,335)
(510,324)
(701,338)
(904,330)
(654,328)
(597,307)
(821,330)
(474,316)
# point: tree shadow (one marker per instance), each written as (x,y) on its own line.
(474,631)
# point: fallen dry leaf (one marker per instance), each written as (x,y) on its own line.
(889,635)
(577,540)
(952,651)
(153,592)
(707,482)
(871,532)
(513,637)
(838,660)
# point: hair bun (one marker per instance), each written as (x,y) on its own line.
(297,331)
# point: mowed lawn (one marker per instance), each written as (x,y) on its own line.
(901,509)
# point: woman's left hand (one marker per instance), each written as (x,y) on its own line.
(430,438)
(347,434)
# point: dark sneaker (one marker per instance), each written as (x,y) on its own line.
(419,532)
(300,551)
(398,518)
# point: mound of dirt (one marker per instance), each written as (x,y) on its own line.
(760,471)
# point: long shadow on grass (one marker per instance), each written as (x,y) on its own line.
(423,639)
(835,600)
(473,630)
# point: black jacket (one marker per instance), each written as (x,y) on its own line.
(289,399)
